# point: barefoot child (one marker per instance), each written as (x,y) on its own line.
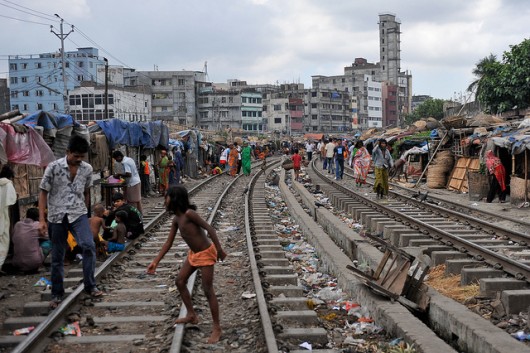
(203,254)
(117,242)
(96,223)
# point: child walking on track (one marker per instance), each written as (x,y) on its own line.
(203,254)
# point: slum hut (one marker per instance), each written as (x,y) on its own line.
(468,138)
(512,148)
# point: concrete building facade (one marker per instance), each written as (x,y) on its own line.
(173,93)
(87,103)
(36,81)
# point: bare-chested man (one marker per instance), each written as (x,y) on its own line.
(203,254)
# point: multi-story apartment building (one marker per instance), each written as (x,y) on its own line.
(87,103)
(218,107)
(233,105)
(390,61)
(4,96)
(293,110)
(395,90)
(276,111)
(354,83)
(37,81)
(173,93)
(251,112)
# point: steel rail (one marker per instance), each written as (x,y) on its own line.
(462,208)
(518,270)
(178,336)
(266,323)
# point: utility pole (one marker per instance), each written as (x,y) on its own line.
(106,89)
(62,37)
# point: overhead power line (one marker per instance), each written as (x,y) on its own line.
(21,20)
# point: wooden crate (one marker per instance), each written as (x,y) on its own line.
(458,179)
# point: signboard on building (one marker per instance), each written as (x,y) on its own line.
(115,75)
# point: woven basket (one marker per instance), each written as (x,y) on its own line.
(454,122)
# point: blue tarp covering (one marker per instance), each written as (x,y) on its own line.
(147,134)
(49,120)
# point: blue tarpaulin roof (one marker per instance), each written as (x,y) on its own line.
(49,120)
(147,134)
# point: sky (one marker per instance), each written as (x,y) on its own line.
(272,41)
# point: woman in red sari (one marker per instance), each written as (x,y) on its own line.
(498,181)
(233,158)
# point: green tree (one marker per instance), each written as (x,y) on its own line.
(480,72)
(501,86)
(431,107)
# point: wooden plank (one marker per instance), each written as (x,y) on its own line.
(458,179)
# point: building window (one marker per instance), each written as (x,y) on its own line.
(230,99)
(314,116)
(80,64)
(14,80)
(79,78)
(25,107)
(13,67)
(38,65)
(39,106)
(313,105)
(243,99)
(98,99)
(39,93)
(25,94)
(313,94)
(277,107)
(14,94)
(182,95)
(14,107)
(25,66)
(181,81)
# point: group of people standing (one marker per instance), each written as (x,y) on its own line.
(334,152)
(169,170)
(235,158)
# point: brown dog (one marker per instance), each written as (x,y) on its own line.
(399,169)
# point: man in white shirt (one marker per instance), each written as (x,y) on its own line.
(330,150)
(309,147)
(132,189)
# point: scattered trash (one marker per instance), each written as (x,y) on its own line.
(42,282)
(353,341)
(474,204)
(521,336)
(23,331)
(395,342)
(161,286)
(71,329)
(248,295)
(329,293)
(230,229)
(237,253)
(307,346)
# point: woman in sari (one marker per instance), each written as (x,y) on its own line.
(382,163)
(163,172)
(232,159)
(498,181)
(361,163)
(246,154)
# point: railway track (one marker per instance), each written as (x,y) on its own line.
(477,250)
(136,307)
(481,217)
(474,241)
